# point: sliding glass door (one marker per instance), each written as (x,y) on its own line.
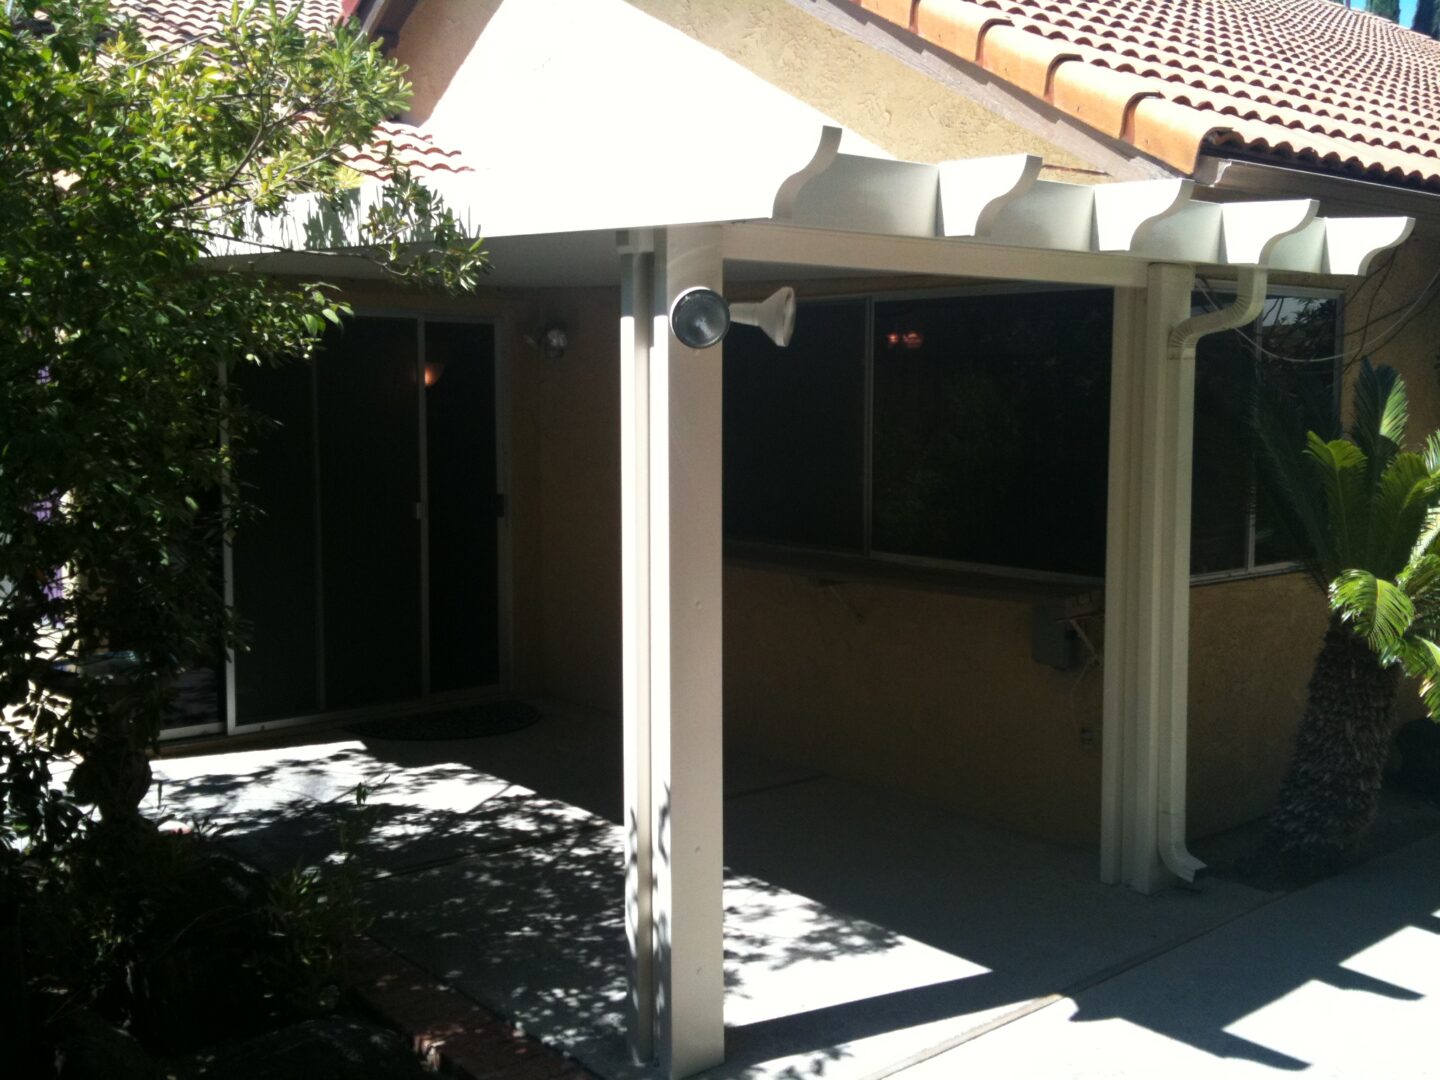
(370,577)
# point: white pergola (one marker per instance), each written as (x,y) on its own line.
(989,218)
(850,212)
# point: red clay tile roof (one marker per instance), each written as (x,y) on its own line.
(1299,82)
(174,22)
(407,145)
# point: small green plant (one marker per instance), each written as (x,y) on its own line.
(317,912)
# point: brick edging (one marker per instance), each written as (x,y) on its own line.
(447,1029)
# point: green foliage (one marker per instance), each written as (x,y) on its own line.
(316,912)
(1368,515)
(124,169)
(1425,21)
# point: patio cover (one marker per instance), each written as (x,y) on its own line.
(794,200)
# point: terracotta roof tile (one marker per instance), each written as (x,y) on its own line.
(176,22)
(1306,81)
(407,145)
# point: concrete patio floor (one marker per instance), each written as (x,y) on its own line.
(865,936)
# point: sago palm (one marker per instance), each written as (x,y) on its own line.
(1364,512)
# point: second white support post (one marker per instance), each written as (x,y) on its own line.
(1147,580)
(671,555)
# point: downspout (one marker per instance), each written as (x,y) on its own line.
(1180,350)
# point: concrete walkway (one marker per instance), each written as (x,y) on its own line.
(865,937)
(1341,979)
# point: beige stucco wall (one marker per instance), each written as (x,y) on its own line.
(894,106)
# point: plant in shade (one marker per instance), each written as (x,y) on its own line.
(1366,514)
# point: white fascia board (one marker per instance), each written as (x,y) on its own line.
(835,249)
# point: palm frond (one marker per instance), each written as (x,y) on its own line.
(1425,539)
(1432,452)
(1290,482)
(1420,658)
(1421,581)
(1381,411)
(1379,610)
(1341,468)
(1405,493)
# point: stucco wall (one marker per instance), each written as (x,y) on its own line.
(576,406)
(909,114)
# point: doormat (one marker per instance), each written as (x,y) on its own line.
(468,722)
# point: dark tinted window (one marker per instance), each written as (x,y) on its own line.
(992,429)
(1288,352)
(795,432)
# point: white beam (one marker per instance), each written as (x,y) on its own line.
(870,195)
(794,246)
(1118,765)
(637,273)
(1250,231)
(1147,572)
(1352,243)
(1050,215)
(1126,213)
(973,192)
(671,562)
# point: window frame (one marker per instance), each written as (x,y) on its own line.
(946,571)
(1227,289)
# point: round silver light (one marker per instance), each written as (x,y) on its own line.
(699,317)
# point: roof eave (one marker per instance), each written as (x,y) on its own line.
(1235,177)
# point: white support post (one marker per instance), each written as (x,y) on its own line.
(1147,577)
(671,542)
(637,270)
(1147,572)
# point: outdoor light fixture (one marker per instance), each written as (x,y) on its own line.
(701,317)
(554,341)
(550,341)
(434,369)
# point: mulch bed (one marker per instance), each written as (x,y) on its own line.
(1239,855)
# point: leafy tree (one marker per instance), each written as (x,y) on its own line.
(123,166)
(1367,514)
(1424,20)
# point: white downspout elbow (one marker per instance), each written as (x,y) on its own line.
(1184,336)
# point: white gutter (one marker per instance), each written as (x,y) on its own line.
(1179,352)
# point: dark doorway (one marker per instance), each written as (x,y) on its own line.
(371,575)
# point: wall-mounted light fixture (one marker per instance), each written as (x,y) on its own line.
(550,341)
(701,317)
(434,370)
